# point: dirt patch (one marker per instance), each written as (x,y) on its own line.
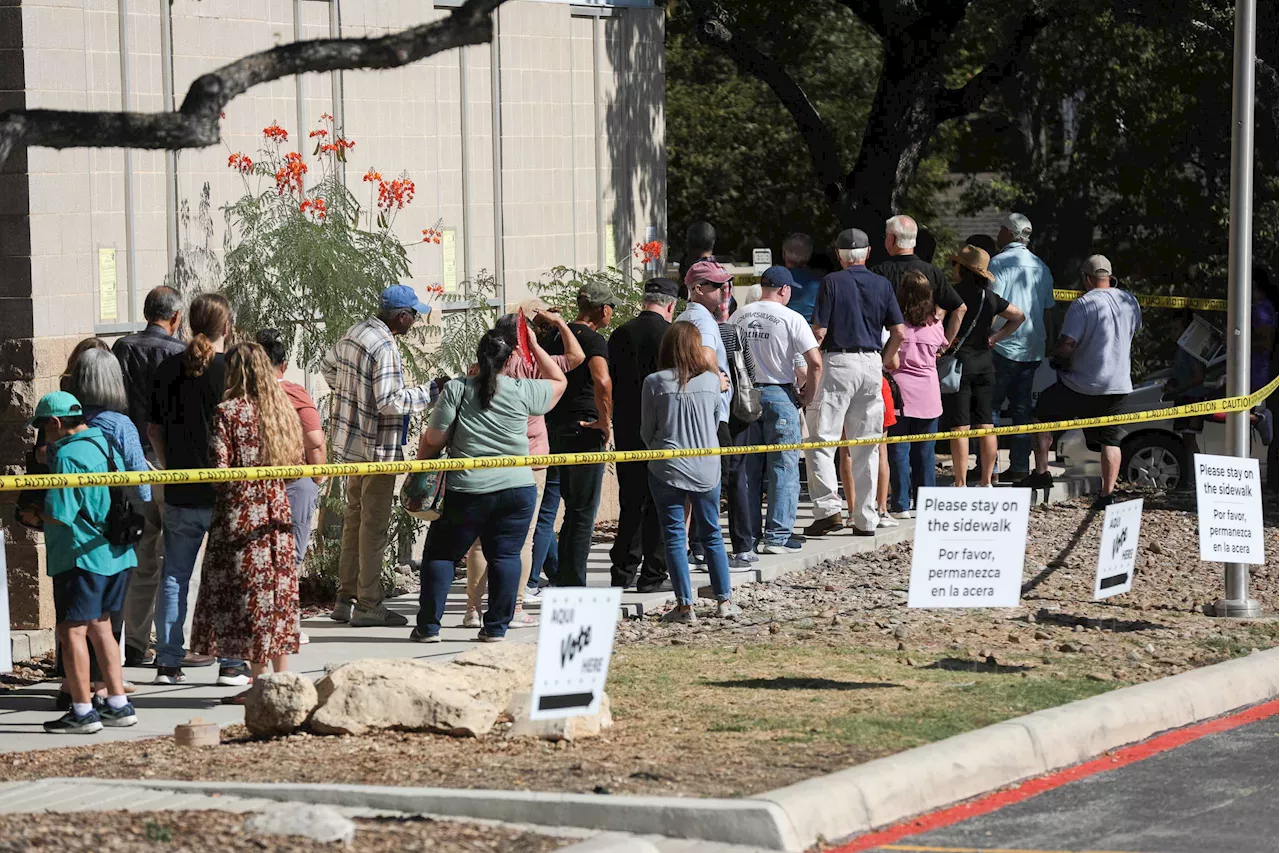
(826,669)
(179,832)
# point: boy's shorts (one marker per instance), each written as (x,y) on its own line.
(80,596)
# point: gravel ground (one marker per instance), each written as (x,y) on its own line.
(847,645)
(179,832)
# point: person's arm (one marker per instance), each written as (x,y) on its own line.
(602,390)
(155,433)
(134,459)
(432,442)
(390,394)
(549,370)
(1060,356)
(812,375)
(953,323)
(647,419)
(436,436)
(313,450)
(573,353)
(329,368)
(897,334)
(821,312)
(1013,317)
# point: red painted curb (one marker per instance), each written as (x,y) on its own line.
(1032,787)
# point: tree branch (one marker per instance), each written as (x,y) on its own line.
(197,123)
(955,103)
(871,12)
(712,30)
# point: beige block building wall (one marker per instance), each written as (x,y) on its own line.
(578,174)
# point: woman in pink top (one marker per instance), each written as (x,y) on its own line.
(911,465)
(520,368)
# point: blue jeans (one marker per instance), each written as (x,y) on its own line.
(910,465)
(184,531)
(670,504)
(1015,381)
(500,520)
(781,425)
(546,556)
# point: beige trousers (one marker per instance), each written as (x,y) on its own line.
(365,530)
(478,566)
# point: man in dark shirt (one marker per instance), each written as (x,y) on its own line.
(580,423)
(139,356)
(900,234)
(633,355)
(854,307)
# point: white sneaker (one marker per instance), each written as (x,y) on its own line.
(905,514)
(472,619)
(728,610)
(680,616)
(303,639)
(886,520)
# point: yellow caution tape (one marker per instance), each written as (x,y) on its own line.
(1155,301)
(360,469)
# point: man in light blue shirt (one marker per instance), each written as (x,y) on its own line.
(706,280)
(1026,282)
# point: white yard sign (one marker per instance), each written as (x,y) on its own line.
(1229,497)
(575,643)
(969,547)
(1118,549)
(761,260)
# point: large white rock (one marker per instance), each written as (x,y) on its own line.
(568,728)
(279,703)
(320,823)
(405,694)
(500,669)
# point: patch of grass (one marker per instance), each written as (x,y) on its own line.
(844,696)
(157,833)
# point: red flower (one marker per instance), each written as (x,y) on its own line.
(289,176)
(326,117)
(320,132)
(371,175)
(395,194)
(240,163)
(275,133)
(649,252)
(315,207)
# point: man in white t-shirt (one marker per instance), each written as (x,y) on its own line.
(788,372)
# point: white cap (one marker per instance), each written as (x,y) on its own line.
(1018,225)
(1096,266)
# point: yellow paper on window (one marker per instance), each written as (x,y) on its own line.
(449,264)
(107,309)
(610,248)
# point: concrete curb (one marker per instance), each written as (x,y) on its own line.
(919,780)
(745,821)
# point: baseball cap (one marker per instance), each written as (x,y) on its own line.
(57,404)
(853,238)
(399,296)
(595,294)
(1018,225)
(707,271)
(974,259)
(664,286)
(1096,266)
(777,276)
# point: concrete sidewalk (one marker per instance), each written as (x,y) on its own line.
(161,708)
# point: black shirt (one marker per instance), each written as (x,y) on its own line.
(579,401)
(944,295)
(855,305)
(983,306)
(633,355)
(139,356)
(183,407)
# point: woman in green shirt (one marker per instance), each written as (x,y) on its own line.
(484,415)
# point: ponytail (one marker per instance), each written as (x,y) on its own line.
(491,356)
(209,315)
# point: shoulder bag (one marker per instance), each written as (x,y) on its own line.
(744,406)
(950,369)
(123,525)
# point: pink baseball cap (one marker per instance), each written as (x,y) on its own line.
(707,271)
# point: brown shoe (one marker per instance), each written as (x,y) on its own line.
(823,526)
(198,660)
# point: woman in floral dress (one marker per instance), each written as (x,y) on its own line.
(248,605)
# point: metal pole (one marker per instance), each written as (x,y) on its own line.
(126,83)
(495,82)
(170,157)
(1240,251)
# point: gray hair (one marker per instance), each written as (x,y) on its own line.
(386,315)
(854,256)
(98,383)
(1019,226)
(903,230)
(797,249)
(661,300)
(162,303)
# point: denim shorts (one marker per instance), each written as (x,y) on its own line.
(80,596)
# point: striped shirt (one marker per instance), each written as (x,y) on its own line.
(370,401)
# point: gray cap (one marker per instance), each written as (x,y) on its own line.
(1018,225)
(1096,266)
(853,238)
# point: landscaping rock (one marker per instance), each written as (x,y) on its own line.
(279,703)
(405,694)
(500,669)
(319,823)
(568,728)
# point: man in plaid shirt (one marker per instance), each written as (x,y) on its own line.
(370,412)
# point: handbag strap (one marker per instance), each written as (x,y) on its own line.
(955,348)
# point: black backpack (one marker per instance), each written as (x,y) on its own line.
(124,524)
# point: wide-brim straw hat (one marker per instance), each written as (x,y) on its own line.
(974,259)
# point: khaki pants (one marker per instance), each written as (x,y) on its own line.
(365,530)
(140,598)
(478,567)
(848,402)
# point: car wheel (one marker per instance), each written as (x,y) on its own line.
(1153,460)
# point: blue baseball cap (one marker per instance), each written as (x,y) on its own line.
(400,296)
(777,277)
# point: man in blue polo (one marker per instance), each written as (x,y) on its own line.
(854,307)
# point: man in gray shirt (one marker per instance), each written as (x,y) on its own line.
(1092,359)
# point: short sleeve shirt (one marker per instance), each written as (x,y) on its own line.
(183,406)
(855,306)
(710,331)
(303,405)
(805,292)
(776,336)
(1027,282)
(894,268)
(983,307)
(501,429)
(579,401)
(75,538)
(518,368)
(1102,322)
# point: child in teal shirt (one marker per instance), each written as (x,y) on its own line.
(89,573)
